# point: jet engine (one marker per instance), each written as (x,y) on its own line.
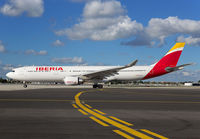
(69,80)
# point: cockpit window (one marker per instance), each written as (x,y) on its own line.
(13,70)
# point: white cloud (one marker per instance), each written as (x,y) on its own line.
(195,41)
(180,76)
(190,75)
(171,25)
(159,29)
(58,43)
(185,73)
(69,60)
(2,48)
(42,52)
(7,67)
(107,20)
(33,8)
(29,52)
(33,52)
(102,21)
(96,9)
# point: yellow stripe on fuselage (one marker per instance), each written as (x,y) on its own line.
(177,45)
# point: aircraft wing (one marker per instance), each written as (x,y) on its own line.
(100,75)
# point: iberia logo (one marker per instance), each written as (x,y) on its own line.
(49,69)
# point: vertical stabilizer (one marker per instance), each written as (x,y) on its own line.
(169,60)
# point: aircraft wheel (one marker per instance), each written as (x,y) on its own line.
(25,85)
(95,86)
(100,86)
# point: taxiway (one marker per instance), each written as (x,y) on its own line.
(106,113)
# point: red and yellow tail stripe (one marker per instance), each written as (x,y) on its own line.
(177,47)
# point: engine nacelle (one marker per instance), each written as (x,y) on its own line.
(69,80)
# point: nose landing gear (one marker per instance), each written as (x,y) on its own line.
(24,84)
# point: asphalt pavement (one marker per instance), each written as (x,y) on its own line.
(100,113)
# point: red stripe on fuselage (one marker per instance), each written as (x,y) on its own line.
(169,60)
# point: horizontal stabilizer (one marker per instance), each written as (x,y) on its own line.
(171,69)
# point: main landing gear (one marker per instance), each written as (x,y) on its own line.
(24,84)
(97,86)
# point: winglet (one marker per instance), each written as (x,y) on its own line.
(132,63)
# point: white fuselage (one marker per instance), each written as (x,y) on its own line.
(32,73)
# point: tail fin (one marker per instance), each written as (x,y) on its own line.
(173,55)
(169,60)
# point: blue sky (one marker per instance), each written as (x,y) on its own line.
(99,32)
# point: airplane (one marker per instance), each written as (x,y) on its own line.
(76,75)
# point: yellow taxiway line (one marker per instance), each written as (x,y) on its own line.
(98,121)
(110,121)
(84,113)
(88,106)
(99,111)
(124,122)
(154,134)
(74,105)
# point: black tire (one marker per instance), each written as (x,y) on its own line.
(94,86)
(25,86)
(100,86)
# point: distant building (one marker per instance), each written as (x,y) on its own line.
(188,84)
(191,84)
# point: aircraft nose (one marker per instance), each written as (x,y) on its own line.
(9,75)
